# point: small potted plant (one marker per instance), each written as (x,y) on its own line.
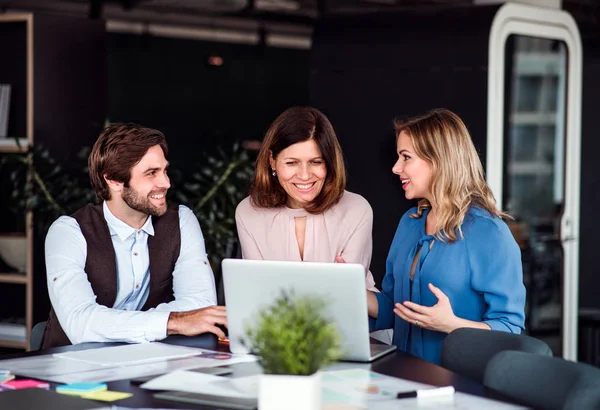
(294,340)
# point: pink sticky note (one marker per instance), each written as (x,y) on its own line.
(25,384)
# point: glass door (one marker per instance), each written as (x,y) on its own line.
(533,174)
(533,159)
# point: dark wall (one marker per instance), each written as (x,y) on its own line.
(69,83)
(368,70)
(69,106)
(165,83)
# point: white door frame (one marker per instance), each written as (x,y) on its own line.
(557,25)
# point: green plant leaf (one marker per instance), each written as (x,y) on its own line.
(292,336)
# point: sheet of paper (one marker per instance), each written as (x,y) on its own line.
(192,382)
(45,366)
(361,389)
(103,374)
(130,354)
(247,385)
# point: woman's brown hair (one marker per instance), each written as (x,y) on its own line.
(298,124)
(116,151)
(441,138)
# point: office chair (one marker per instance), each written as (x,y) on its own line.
(37,335)
(467,351)
(544,382)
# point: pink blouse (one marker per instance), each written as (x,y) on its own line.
(345,229)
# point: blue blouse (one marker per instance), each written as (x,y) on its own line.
(481,274)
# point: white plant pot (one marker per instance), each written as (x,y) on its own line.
(277,392)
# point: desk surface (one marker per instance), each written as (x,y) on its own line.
(398,364)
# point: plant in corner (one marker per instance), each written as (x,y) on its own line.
(294,340)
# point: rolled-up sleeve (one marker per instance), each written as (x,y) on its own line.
(497,273)
(74,301)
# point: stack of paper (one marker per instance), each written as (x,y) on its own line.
(131,354)
(79,389)
(6,375)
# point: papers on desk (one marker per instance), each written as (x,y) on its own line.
(355,389)
(102,365)
(360,389)
(131,354)
(194,382)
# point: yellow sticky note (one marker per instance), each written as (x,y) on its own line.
(106,395)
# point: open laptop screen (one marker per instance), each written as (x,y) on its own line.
(251,285)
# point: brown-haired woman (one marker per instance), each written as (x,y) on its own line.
(298,209)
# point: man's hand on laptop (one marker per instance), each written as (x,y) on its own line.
(198,321)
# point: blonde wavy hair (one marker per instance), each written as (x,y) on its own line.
(457,183)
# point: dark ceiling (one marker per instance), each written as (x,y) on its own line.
(294,16)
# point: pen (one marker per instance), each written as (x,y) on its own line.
(433,392)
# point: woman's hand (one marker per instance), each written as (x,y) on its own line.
(438,317)
(372,304)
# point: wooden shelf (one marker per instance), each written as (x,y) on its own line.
(13,235)
(13,278)
(14,335)
(9,145)
(15,344)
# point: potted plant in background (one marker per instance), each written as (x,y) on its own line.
(34,182)
(211,187)
(215,184)
(294,340)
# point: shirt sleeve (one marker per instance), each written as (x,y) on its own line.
(497,273)
(74,301)
(359,246)
(250,249)
(193,278)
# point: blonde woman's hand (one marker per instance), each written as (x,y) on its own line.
(439,317)
(339,259)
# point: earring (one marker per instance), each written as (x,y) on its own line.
(274,173)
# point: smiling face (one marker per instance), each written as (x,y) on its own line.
(147,188)
(301,171)
(414,172)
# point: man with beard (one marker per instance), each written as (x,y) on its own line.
(130,269)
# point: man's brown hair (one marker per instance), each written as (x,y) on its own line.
(116,151)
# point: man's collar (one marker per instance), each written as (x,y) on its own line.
(120,228)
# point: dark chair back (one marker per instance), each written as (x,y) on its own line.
(544,382)
(467,351)
(37,335)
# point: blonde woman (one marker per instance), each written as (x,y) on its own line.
(453,261)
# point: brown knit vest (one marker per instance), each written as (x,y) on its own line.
(101,265)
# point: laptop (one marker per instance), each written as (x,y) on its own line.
(251,285)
